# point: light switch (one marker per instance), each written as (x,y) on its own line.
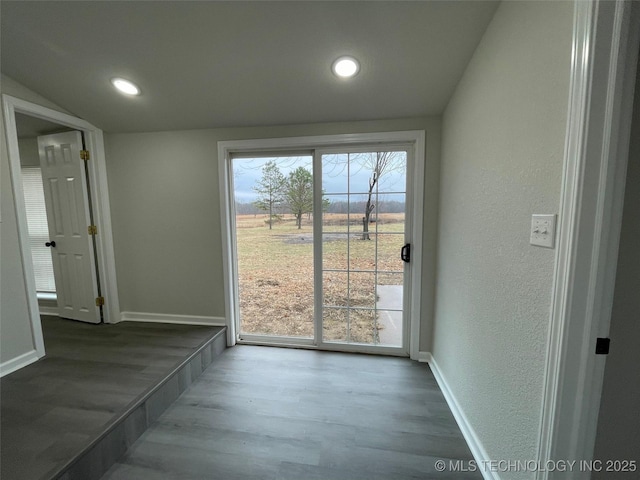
(543,230)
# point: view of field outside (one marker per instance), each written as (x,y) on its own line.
(274,233)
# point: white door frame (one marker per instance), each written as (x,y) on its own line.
(100,200)
(596,154)
(227,148)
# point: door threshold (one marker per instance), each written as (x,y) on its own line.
(346,348)
(288,342)
(264,343)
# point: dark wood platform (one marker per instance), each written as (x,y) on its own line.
(73,413)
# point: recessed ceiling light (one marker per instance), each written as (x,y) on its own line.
(345,67)
(125,86)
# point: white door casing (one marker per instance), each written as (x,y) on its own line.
(606,37)
(97,173)
(226,149)
(68,217)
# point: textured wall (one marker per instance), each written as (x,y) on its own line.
(502,152)
(165,210)
(618,435)
(15,325)
(29,156)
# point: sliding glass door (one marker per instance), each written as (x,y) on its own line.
(363,235)
(321,248)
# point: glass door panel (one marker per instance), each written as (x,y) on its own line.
(363,231)
(274,246)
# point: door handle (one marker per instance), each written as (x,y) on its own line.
(405,253)
(52,243)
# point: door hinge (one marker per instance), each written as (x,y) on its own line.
(84,155)
(99,301)
(602,346)
(93,230)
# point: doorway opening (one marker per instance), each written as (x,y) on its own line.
(85,252)
(58,212)
(318,241)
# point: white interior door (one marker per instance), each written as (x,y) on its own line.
(65,190)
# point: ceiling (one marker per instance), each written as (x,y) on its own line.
(220,64)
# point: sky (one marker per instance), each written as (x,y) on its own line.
(341,173)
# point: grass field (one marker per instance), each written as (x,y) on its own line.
(275,270)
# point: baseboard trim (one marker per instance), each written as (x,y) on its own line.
(48,304)
(424,357)
(475,445)
(169,318)
(49,311)
(17,363)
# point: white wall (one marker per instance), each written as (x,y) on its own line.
(502,154)
(15,326)
(164,191)
(618,436)
(165,208)
(29,156)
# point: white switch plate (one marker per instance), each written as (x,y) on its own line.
(543,230)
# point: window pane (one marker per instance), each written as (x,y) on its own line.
(38,228)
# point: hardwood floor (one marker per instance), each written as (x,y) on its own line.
(55,411)
(274,413)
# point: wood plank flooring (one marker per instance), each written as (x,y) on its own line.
(53,409)
(274,413)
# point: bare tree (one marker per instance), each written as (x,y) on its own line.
(378,163)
